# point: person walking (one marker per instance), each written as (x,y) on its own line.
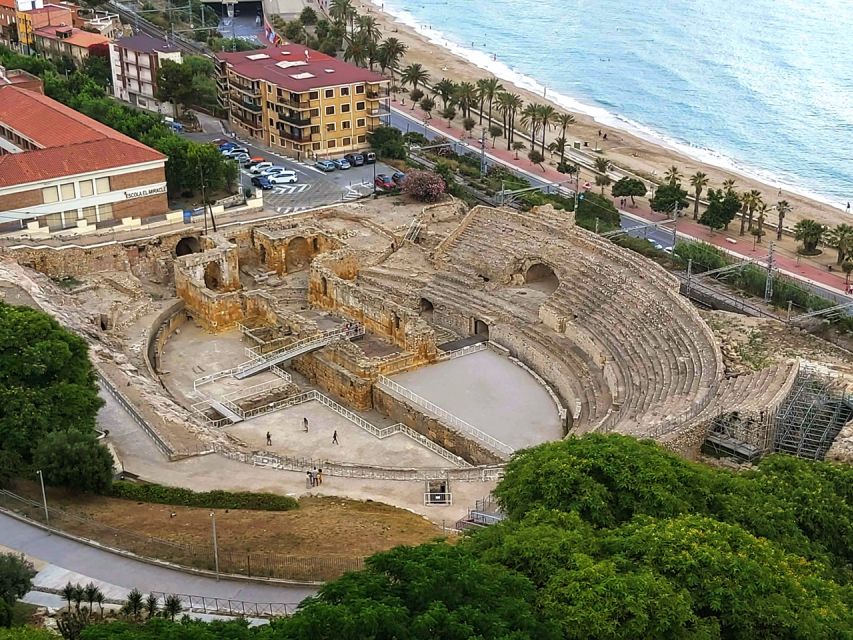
(319,476)
(269,439)
(305,424)
(335,437)
(309,481)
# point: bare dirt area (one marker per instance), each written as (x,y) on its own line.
(320,527)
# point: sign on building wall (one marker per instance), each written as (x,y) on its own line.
(142,192)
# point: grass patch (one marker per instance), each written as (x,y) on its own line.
(160,494)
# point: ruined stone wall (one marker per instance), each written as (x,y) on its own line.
(214,311)
(334,379)
(411,416)
(292,250)
(166,323)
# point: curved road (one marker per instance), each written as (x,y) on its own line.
(128,573)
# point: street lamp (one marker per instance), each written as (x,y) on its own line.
(44,497)
(215,546)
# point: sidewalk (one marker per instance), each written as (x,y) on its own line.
(786,260)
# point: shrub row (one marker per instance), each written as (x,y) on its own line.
(208,499)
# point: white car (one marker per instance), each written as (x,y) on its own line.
(235,151)
(284,177)
(273,170)
(260,167)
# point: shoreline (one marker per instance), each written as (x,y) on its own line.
(630,145)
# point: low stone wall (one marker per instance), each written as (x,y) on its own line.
(335,380)
(414,418)
(164,325)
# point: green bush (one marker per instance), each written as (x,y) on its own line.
(208,499)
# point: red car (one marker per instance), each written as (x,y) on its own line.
(385,182)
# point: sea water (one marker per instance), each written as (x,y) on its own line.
(761,86)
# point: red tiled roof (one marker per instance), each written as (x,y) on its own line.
(9,4)
(72,143)
(322,70)
(78,37)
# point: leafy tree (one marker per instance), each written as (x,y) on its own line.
(387,142)
(308,16)
(846,267)
(98,68)
(188,83)
(669,197)
(810,234)
(629,187)
(151,606)
(416,95)
(134,604)
(16,576)
(468,124)
(74,459)
(698,181)
(6,615)
(722,209)
(26,633)
(427,104)
(495,131)
(517,146)
(448,113)
(536,158)
(172,606)
(424,186)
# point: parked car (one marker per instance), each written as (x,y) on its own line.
(239,158)
(262,182)
(384,182)
(398,177)
(325,165)
(258,167)
(231,151)
(253,161)
(369,157)
(274,169)
(355,159)
(285,177)
(342,163)
(177,127)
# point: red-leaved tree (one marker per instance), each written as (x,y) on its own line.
(425,186)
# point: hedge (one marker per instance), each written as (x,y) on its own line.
(208,499)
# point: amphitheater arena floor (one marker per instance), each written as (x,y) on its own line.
(491,393)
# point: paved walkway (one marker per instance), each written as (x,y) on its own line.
(70,560)
(802,268)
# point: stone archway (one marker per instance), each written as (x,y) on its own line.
(481,328)
(298,254)
(324,285)
(187,245)
(213,276)
(426,308)
(541,277)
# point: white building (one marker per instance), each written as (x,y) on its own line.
(135,61)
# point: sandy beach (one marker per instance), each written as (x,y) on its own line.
(623,149)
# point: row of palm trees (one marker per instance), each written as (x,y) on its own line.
(135,607)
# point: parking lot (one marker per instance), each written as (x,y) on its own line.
(313,188)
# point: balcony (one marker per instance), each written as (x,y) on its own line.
(254,92)
(296,120)
(298,137)
(378,95)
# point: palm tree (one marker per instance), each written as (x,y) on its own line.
(358,50)
(564,121)
(762,214)
(809,233)
(414,75)
(673,175)
(847,268)
(747,204)
(99,598)
(509,105)
(602,180)
(756,201)
(698,181)
(68,593)
(488,88)
(729,185)
(390,52)
(369,28)
(841,237)
(517,146)
(530,119)
(559,146)
(547,115)
(783,208)
(602,166)
(79,596)
(133,605)
(444,89)
(340,10)
(466,97)
(448,113)
(151,606)
(172,607)
(91,592)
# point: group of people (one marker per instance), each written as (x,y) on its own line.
(315,477)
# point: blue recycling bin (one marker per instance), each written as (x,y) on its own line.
(188,216)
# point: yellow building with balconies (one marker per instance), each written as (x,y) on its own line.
(300,101)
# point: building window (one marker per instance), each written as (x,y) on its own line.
(331,144)
(344,108)
(329,93)
(330,126)
(90,215)
(272,139)
(102,185)
(53,221)
(87,188)
(362,139)
(345,124)
(359,88)
(316,146)
(314,95)
(330,111)
(344,91)
(50,194)
(69,218)
(105,212)
(359,106)
(346,142)
(315,129)
(67,191)
(360,122)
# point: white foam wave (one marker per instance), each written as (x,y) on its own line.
(601,115)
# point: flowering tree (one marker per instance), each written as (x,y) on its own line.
(425,186)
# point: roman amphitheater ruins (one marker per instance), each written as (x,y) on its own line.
(433,342)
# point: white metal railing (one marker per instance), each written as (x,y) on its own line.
(309,343)
(464,351)
(255,389)
(446,416)
(440,498)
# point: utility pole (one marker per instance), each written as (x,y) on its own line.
(689,275)
(483,153)
(44,498)
(215,546)
(768,288)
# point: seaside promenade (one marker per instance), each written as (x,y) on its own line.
(785,252)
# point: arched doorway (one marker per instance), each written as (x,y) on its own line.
(481,329)
(541,277)
(262,254)
(324,285)
(298,254)
(212,276)
(187,245)
(426,308)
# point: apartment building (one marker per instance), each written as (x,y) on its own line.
(135,61)
(300,101)
(61,170)
(21,79)
(70,42)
